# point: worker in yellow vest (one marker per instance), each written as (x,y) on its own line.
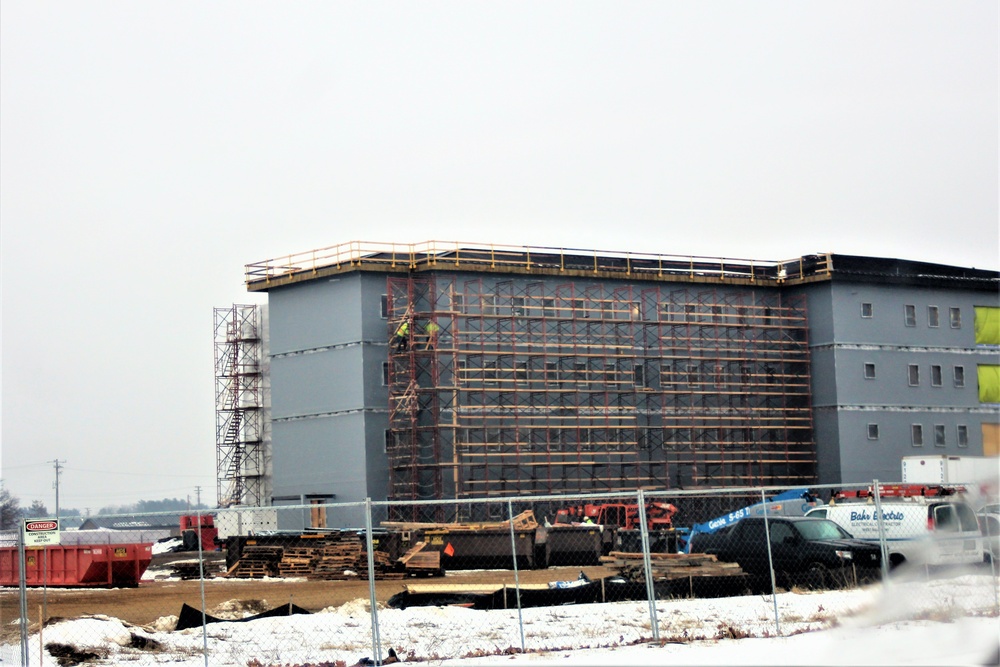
(432,329)
(401,338)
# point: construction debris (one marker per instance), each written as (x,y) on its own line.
(523,521)
(665,567)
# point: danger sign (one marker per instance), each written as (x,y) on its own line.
(41,532)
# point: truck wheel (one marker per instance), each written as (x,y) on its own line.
(896,560)
(818,576)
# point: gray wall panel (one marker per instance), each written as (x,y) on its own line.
(315,314)
(321,456)
(887,324)
(827,435)
(891,383)
(882,458)
(321,382)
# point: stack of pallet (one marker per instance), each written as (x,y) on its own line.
(339,558)
(330,557)
(257,562)
(297,562)
(670,566)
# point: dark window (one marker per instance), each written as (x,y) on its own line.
(869,371)
(779,531)
(666,371)
(955,317)
(963,435)
(989,525)
(959,376)
(867,310)
(754,532)
(939,439)
(873,431)
(945,519)
(966,517)
(933,318)
(458,303)
(935,376)
(384,305)
(914,375)
(517,306)
(910,315)
(917,435)
(385,373)
(639,375)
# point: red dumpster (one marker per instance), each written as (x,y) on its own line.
(77,565)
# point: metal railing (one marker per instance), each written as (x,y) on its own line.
(456,255)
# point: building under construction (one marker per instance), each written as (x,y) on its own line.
(457,371)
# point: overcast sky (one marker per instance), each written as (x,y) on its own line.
(148,151)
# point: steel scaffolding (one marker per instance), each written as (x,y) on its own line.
(536,387)
(240,464)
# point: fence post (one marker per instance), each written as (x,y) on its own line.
(517,582)
(647,567)
(201,585)
(770,564)
(376,638)
(22,581)
(879,520)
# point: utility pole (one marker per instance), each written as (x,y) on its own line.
(197,495)
(58,467)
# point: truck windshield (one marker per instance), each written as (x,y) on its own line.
(821,529)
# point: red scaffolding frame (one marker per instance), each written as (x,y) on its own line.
(536,386)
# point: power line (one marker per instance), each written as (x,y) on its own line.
(58,466)
(133,474)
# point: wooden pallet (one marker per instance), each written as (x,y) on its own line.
(257,562)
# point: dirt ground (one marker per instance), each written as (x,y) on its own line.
(155,599)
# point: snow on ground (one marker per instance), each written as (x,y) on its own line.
(941,622)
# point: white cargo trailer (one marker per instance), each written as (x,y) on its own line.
(944,469)
(246,521)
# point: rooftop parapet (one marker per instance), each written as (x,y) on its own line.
(493,258)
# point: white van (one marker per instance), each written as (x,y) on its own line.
(917,530)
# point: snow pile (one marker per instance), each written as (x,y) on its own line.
(862,623)
(167,546)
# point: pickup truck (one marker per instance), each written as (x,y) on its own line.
(812,552)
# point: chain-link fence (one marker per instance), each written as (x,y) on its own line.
(330,584)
